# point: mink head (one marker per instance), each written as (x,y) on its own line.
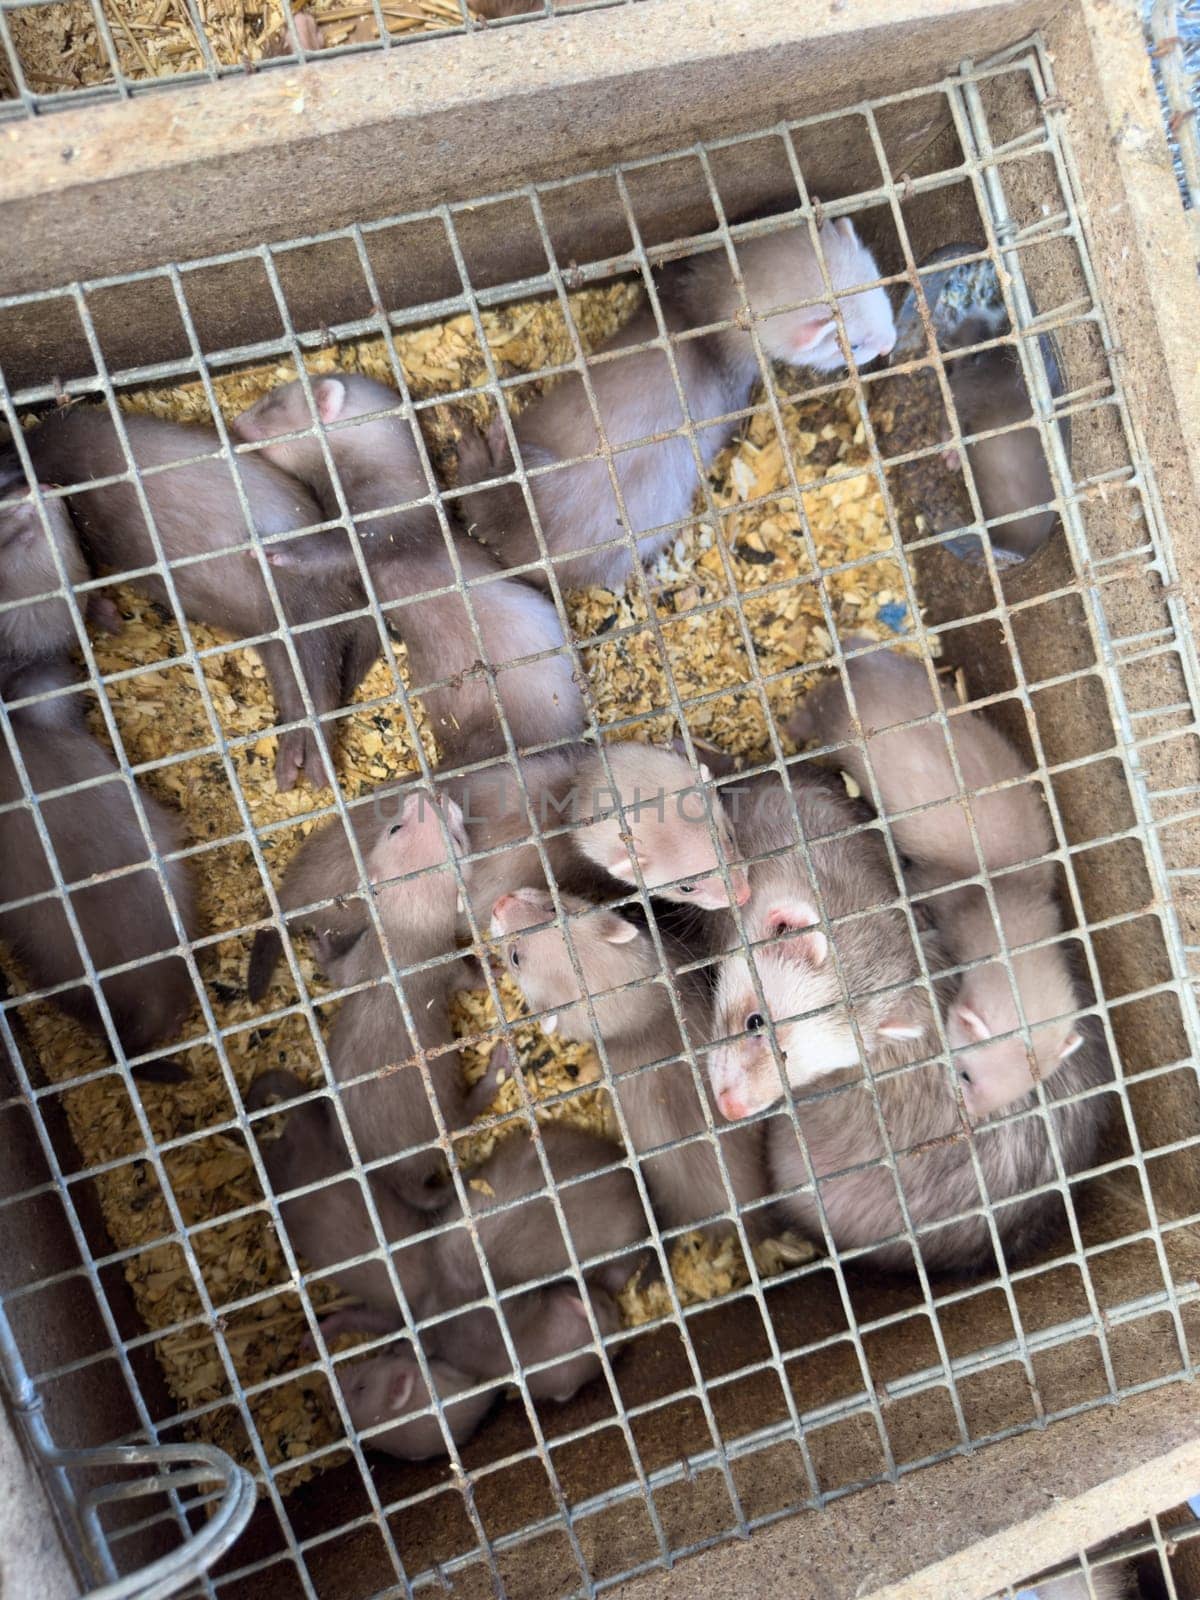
(28,560)
(416,836)
(781,269)
(799,997)
(610,950)
(336,402)
(676,832)
(996,1071)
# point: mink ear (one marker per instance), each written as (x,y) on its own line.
(329,396)
(795,921)
(811,327)
(901,1030)
(615,929)
(791,916)
(1072,1044)
(400,1389)
(456,825)
(497,441)
(971,1022)
(904,1021)
(619,863)
(413,807)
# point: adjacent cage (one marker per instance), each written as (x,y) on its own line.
(156,1301)
(1174,41)
(1157,1554)
(61,54)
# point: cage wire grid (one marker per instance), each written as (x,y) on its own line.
(126,70)
(1138,733)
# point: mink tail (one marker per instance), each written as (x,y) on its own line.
(264,957)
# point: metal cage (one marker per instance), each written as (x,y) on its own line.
(778,1417)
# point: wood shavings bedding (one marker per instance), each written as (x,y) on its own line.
(783,556)
(60,46)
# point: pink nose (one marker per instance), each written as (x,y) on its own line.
(732,1105)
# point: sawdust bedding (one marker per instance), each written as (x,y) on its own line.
(161,714)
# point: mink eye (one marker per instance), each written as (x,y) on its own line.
(514,956)
(755,1022)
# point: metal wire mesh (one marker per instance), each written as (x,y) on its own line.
(823,1408)
(1159,1558)
(106,58)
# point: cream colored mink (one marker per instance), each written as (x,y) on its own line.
(678,839)
(375,456)
(637,398)
(911,767)
(95,832)
(641,1037)
(831,1009)
(807,966)
(40,629)
(197,512)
